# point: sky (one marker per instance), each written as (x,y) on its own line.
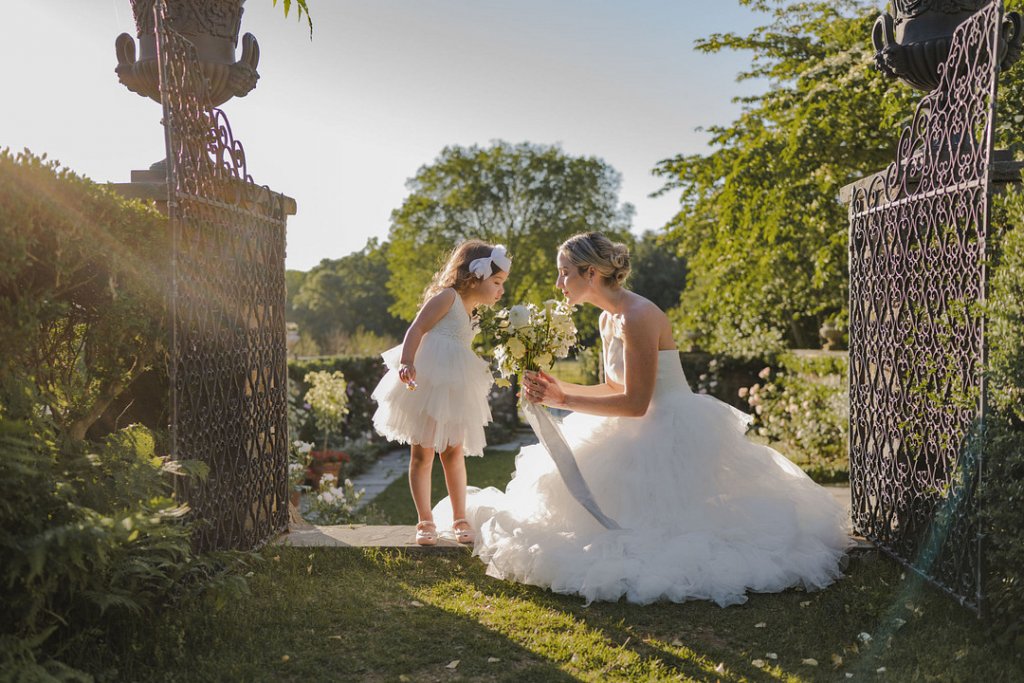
(340,122)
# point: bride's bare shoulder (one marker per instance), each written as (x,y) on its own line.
(643,310)
(642,317)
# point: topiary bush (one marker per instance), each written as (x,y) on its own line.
(362,373)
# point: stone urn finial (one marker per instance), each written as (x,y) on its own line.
(913,38)
(213,27)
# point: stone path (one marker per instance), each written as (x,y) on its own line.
(390,466)
(394,465)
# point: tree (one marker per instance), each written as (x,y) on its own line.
(293,280)
(341,297)
(528,197)
(761,226)
(658,272)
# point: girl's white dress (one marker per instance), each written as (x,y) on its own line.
(705,513)
(449,405)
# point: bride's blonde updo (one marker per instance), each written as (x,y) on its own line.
(609,259)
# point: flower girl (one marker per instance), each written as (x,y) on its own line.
(434,395)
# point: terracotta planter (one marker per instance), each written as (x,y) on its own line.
(318,469)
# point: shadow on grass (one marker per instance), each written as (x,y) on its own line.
(876,622)
(329,614)
(384,615)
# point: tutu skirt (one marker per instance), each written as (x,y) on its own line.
(449,406)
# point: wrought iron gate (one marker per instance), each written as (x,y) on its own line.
(918,235)
(228,363)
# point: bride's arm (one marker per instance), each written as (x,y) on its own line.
(606,388)
(641,367)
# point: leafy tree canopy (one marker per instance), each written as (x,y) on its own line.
(346,295)
(301,9)
(528,197)
(760,224)
(658,272)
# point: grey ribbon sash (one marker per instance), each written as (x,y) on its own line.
(551,438)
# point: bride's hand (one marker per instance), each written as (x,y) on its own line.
(540,387)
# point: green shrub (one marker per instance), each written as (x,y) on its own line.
(92,539)
(355,435)
(82,273)
(504,416)
(722,375)
(1002,488)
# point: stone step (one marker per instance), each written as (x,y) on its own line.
(398,536)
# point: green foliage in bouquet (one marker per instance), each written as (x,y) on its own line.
(531,337)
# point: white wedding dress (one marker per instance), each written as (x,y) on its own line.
(705,513)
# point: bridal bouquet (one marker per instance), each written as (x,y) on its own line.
(530,337)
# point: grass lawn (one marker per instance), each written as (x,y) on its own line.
(374,615)
(383,615)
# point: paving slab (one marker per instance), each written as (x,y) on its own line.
(401,537)
(389,467)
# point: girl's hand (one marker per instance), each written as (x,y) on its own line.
(407,373)
(540,387)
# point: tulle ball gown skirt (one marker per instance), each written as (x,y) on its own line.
(705,513)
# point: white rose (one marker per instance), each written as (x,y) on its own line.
(516,348)
(518,316)
(544,361)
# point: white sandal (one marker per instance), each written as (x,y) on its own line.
(426,533)
(465,536)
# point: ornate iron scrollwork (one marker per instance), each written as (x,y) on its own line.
(228,363)
(918,236)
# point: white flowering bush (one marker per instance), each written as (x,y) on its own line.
(299,458)
(531,337)
(333,503)
(808,412)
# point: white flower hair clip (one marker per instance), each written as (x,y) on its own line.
(483,268)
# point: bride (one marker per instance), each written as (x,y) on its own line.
(701,512)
